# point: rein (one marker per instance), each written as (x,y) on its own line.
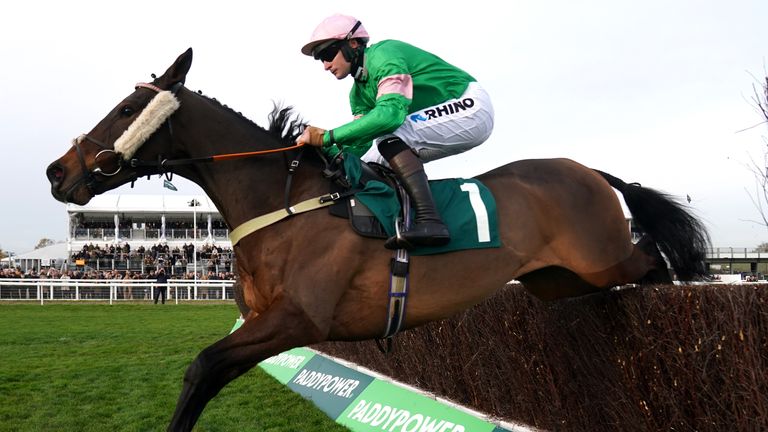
(90,177)
(161,164)
(134,163)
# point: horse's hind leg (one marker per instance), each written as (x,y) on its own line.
(552,283)
(659,274)
(281,327)
(645,266)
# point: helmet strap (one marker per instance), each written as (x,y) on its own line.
(356,56)
(351,32)
(361,74)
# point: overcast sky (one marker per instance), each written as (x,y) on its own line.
(652,91)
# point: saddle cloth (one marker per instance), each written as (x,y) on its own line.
(466,206)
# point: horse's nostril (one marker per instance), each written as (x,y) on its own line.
(55,173)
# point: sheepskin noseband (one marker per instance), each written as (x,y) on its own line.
(151,118)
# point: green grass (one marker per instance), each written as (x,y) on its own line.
(96,367)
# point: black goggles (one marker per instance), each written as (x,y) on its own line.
(328,53)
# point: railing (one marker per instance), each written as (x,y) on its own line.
(94,233)
(112,290)
(735,253)
(188,234)
(126,234)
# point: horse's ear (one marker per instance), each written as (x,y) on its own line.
(177,73)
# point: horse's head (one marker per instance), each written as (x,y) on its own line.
(106,157)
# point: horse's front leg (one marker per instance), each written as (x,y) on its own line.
(283,326)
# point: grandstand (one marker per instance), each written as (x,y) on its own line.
(139,233)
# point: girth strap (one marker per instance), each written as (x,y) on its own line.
(260,222)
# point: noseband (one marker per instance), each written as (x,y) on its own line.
(90,177)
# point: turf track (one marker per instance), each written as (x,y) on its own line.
(96,367)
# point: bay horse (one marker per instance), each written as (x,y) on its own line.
(309,278)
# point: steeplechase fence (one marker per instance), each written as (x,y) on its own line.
(653,358)
(113,290)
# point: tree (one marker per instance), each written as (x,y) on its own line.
(44,242)
(3,254)
(760,169)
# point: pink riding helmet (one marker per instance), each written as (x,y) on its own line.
(335,27)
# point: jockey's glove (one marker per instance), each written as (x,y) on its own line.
(311,136)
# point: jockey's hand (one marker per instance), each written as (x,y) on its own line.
(311,136)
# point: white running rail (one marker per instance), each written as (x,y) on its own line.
(112,290)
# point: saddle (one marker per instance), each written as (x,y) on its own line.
(369,195)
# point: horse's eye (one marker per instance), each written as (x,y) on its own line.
(126,111)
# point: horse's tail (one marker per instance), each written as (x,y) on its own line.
(679,235)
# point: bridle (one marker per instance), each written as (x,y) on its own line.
(91,177)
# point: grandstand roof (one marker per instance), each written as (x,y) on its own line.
(54,251)
(120,203)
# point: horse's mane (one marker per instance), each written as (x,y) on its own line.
(284,123)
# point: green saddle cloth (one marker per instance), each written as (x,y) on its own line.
(466,206)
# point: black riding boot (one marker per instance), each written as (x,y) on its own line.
(428,228)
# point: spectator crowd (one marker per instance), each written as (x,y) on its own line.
(50,273)
(122,262)
(214,258)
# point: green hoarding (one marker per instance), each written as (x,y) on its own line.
(389,407)
(363,403)
(285,366)
(331,386)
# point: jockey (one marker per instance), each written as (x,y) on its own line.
(411,104)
